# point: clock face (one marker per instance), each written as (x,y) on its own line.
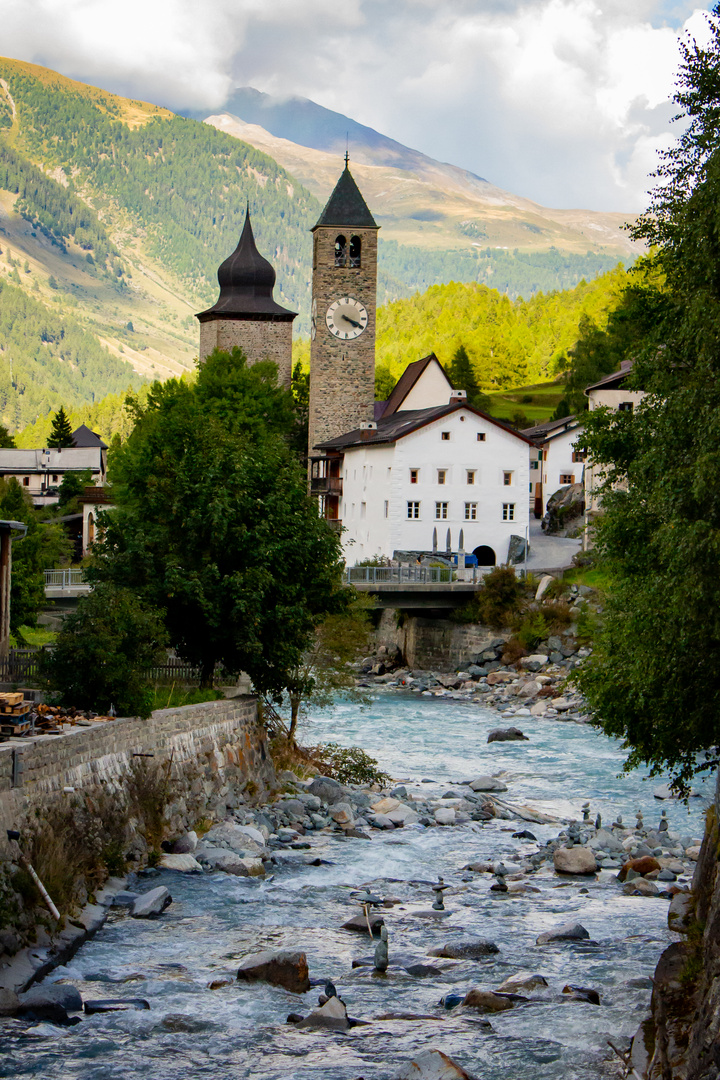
(313,319)
(346,318)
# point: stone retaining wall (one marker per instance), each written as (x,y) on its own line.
(220,744)
(434,644)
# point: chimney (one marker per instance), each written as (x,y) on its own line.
(367,427)
(458,397)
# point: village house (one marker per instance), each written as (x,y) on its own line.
(555,461)
(41,472)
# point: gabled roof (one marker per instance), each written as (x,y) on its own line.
(407,381)
(609,382)
(398,425)
(550,427)
(70,459)
(346,207)
(83,437)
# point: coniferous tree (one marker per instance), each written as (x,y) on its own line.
(61,433)
(461,375)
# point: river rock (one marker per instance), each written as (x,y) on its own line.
(185,864)
(574,860)
(151,904)
(534,662)
(342,813)
(582,993)
(568,931)
(486,1001)
(384,806)
(115,1005)
(238,838)
(445,816)
(51,1013)
(403,815)
(680,912)
(644,865)
(640,886)
(382,821)
(360,923)
(285,967)
(229,862)
(465,950)
(522,980)
(332,1016)
(326,789)
(487,783)
(186,844)
(9,1002)
(511,734)
(432,1065)
(605,839)
(52,994)
(496,678)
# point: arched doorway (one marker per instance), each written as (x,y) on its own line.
(484,555)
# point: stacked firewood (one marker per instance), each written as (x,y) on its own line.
(19,717)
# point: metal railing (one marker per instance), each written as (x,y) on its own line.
(399,575)
(64,579)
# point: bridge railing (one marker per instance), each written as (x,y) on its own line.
(399,575)
(64,579)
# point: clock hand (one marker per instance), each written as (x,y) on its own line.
(351,321)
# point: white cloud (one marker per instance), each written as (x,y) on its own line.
(560,100)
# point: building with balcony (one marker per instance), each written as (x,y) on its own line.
(41,472)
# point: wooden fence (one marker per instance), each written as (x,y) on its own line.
(23,666)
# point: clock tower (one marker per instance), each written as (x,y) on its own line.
(344,291)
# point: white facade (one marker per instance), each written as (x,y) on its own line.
(40,472)
(436,480)
(610,397)
(429,390)
(562,464)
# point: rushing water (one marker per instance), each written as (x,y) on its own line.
(239,1031)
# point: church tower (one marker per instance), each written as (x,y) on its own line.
(245,313)
(344,293)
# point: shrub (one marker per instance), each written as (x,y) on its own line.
(533,629)
(557,614)
(347,764)
(496,602)
(514,649)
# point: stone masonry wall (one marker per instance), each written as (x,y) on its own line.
(260,339)
(433,644)
(215,749)
(342,373)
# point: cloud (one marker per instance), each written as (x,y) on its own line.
(564,101)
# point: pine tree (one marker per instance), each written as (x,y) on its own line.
(61,433)
(462,377)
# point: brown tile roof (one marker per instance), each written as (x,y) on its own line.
(407,381)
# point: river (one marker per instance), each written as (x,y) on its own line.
(239,1031)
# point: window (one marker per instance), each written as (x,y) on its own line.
(508,511)
(413,510)
(567,478)
(441,511)
(387,507)
(481,436)
(26,481)
(578,456)
(445,436)
(414,476)
(533,464)
(442,474)
(507,479)
(355,251)
(54,479)
(340,251)
(471,476)
(471,511)
(625,406)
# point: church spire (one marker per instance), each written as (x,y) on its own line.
(346,207)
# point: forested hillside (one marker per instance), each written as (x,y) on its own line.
(510,343)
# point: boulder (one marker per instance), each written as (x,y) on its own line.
(332,1016)
(445,816)
(568,931)
(465,950)
(680,912)
(582,993)
(644,865)
(124,898)
(184,863)
(342,813)
(9,1002)
(403,815)
(487,783)
(486,1001)
(604,839)
(517,549)
(115,1005)
(186,844)
(214,858)
(50,1013)
(360,923)
(432,1065)
(285,967)
(68,997)
(238,838)
(382,821)
(326,789)
(566,504)
(511,734)
(384,806)
(640,887)
(151,904)
(574,860)
(534,662)
(495,678)
(522,980)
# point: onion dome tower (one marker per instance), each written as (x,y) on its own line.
(245,313)
(344,287)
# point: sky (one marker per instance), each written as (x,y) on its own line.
(563,101)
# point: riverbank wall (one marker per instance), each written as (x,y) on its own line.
(432,643)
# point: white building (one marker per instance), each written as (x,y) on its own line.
(609,393)
(556,462)
(41,472)
(433,473)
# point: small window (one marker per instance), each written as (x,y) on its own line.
(340,251)
(471,511)
(414,476)
(507,479)
(355,251)
(441,511)
(533,464)
(26,481)
(413,510)
(578,456)
(567,478)
(442,476)
(508,511)
(386,507)
(54,479)
(625,406)
(445,436)
(481,436)
(471,476)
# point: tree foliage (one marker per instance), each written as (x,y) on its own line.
(213,525)
(61,434)
(43,547)
(653,679)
